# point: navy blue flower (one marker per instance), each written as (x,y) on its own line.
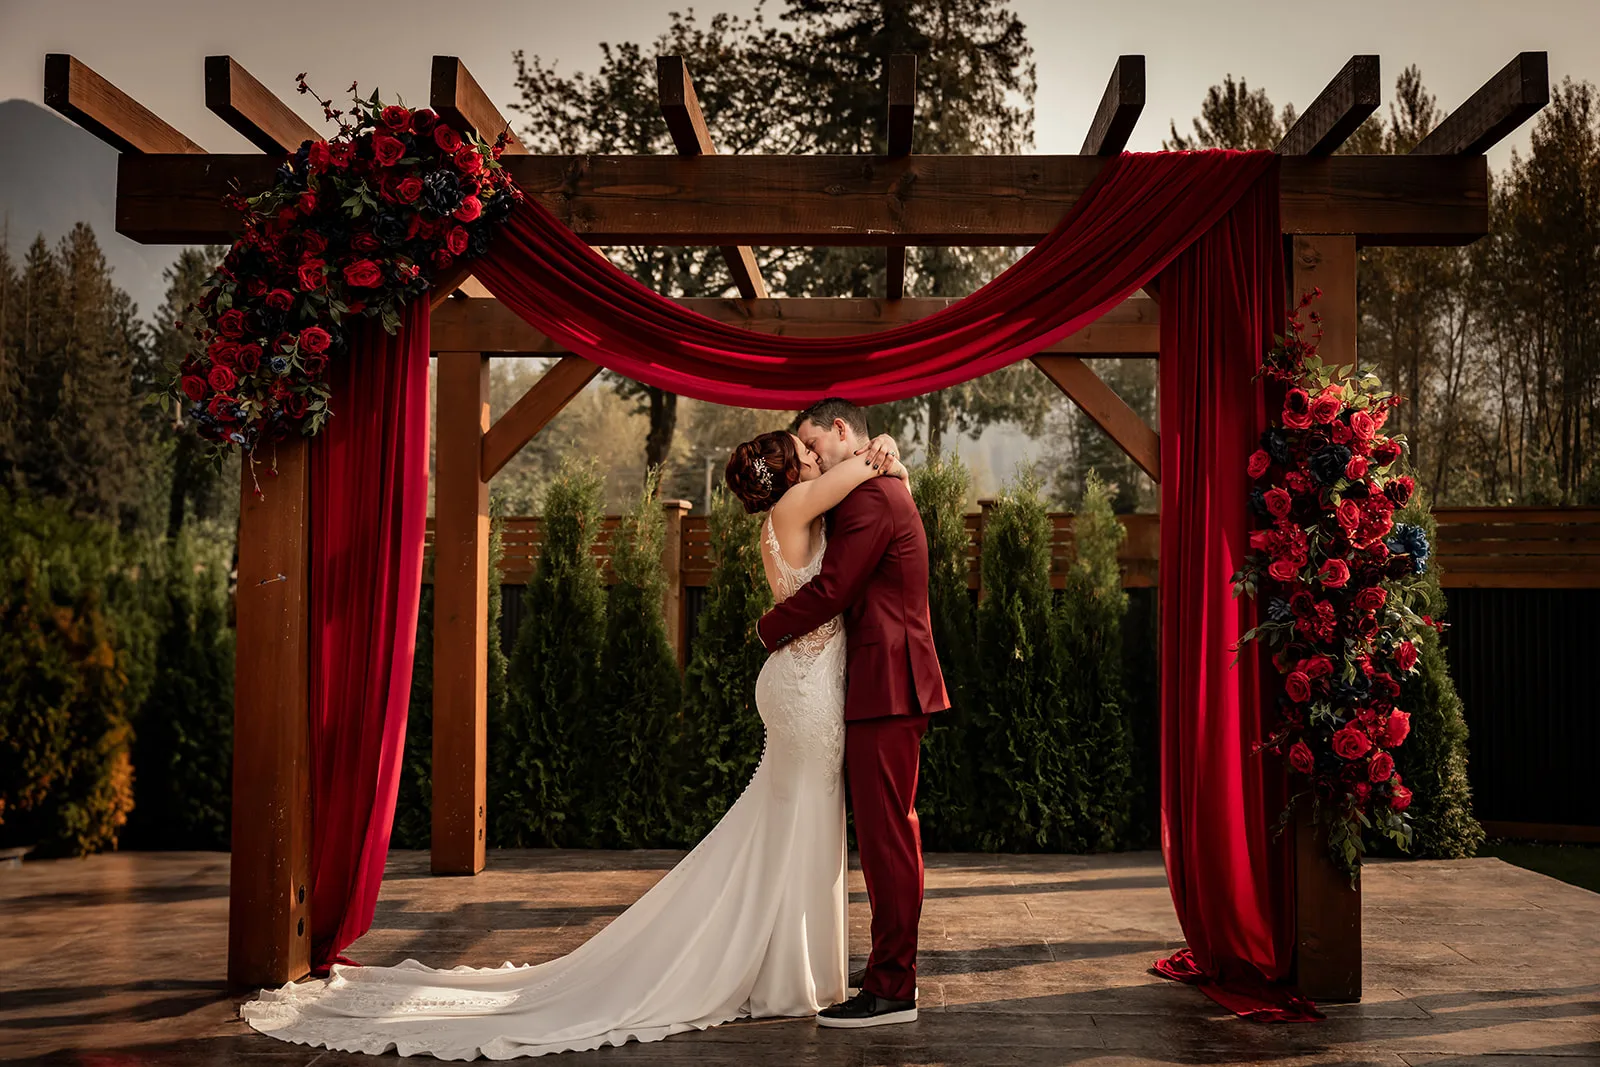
(442,191)
(1328,463)
(279,364)
(1273,442)
(1278,610)
(1408,539)
(390,229)
(1258,502)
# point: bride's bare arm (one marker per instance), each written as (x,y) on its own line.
(807,500)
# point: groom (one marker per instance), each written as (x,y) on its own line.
(875,573)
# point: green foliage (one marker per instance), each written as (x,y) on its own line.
(722,730)
(946,802)
(553,677)
(66,779)
(1027,772)
(1088,619)
(1433,759)
(183,747)
(630,773)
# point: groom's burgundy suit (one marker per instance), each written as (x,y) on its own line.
(875,573)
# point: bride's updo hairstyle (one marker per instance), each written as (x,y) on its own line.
(762,470)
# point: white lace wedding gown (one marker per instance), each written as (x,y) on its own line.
(751,923)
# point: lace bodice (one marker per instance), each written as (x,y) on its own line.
(807,646)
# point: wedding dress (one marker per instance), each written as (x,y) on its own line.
(750,924)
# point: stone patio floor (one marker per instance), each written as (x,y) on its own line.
(119,960)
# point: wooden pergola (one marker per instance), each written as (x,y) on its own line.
(169,190)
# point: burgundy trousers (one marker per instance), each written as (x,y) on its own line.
(881,758)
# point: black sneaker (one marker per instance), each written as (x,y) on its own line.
(868,1009)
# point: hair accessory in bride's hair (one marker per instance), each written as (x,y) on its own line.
(763,472)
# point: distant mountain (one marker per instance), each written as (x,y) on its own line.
(53,175)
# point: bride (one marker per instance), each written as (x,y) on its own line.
(750,924)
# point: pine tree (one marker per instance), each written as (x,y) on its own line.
(538,745)
(946,802)
(634,785)
(723,732)
(1028,772)
(1089,617)
(1433,759)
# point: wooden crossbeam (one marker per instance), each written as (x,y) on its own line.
(541,403)
(459,101)
(251,108)
(690,135)
(1108,410)
(1131,330)
(848,200)
(1502,104)
(106,111)
(1353,94)
(901,74)
(1120,106)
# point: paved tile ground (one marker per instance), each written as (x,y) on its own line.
(118,960)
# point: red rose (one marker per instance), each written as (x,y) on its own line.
(447,139)
(365,241)
(1367,626)
(249,358)
(1356,469)
(407,189)
(1351,743)
(1385,452)
(471,208)
(356,307)
(280,300)
(315,339)
(1334,573)
(1300,758)
(1400,798)
(1325,408)
(1405,655)
(219,407)
(1296,402)
(317,157)
(1384,686)
(1341,434)
(456,240)
(1259,460)
(1300,481)
(1397,728)
(442,258)
(1362,426)
(1317,667)
(422,120)
(312,276)
(1381,769)
(1363,793)
(363,274)
(221,379)
(315,365)
(1278,502)
(340,153)
(295,406)
(313,243)
(194,387)
(223,353)
(307,202)
(231,322)
(1398,490)
(1371,599)
(1284,570)
(396,117)
(467,160)
(1349,515)
(386,150)
(1302,603)
(1297,686)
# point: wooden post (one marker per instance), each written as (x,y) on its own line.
(269,923)
(461,616)
(1327,907)
(673,601)
(985,505)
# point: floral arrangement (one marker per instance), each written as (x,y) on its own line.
(1338,575)
(353,227)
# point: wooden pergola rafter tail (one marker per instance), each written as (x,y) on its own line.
(1338,111)
(1120,107)
(241,101)
(900,76)
(92,102)
(1503,103)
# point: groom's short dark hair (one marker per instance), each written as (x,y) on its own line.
(824,411)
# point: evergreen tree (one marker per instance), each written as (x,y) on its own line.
(537,745)
(1089,618)
(1028,771)
(1234,117)
(946,802)
(723,732)
(633,784)
(1433,759)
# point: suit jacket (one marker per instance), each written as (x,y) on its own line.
(875,574)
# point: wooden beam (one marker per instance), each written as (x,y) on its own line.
(1132,329)
(1108,410)
(541,403)
(461,617)
(1120,106)
(1328,262)
(901,74)
(252,109)
(106,111)
(445,283)
(848,200)
(455,95)
(1502,104)
(690,135)
(1353,94)
(674,604)
(269,904)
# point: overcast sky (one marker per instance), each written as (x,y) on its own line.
(153,49)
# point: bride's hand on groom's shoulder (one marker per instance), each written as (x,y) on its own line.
(884,455)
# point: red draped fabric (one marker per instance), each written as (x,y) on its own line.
(1221,301)
(1208,219)
(369,504)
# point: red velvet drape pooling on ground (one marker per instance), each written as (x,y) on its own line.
(369,504)
(1221,300)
